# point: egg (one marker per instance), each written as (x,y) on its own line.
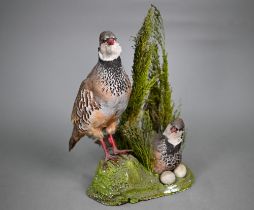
(180,171)
(167,177)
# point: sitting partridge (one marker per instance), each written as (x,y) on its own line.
(102,97)
(167,148)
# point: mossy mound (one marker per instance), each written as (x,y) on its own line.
(126,180)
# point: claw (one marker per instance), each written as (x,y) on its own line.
(119,152)
(111,157)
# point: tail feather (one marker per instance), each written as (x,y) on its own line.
(75,137)
(72,143)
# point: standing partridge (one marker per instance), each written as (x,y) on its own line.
(102,97)
(167,148)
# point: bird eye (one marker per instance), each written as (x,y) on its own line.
(105,38)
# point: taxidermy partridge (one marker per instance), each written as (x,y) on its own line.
(102,97)
(167,148)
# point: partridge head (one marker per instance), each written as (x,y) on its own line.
(174,131)
(109,48)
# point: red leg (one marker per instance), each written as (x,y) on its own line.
(116,151)
(105,149)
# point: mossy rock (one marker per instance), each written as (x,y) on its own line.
(126,180)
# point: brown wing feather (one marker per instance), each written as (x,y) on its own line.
(74,116)
(84,106)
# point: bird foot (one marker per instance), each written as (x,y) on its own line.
(113,160)
(111,157)
(119,152)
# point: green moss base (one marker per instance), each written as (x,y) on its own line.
(126,180)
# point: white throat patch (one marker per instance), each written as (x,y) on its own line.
(109,52)
(174,138)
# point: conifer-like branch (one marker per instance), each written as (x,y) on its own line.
(150,107)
